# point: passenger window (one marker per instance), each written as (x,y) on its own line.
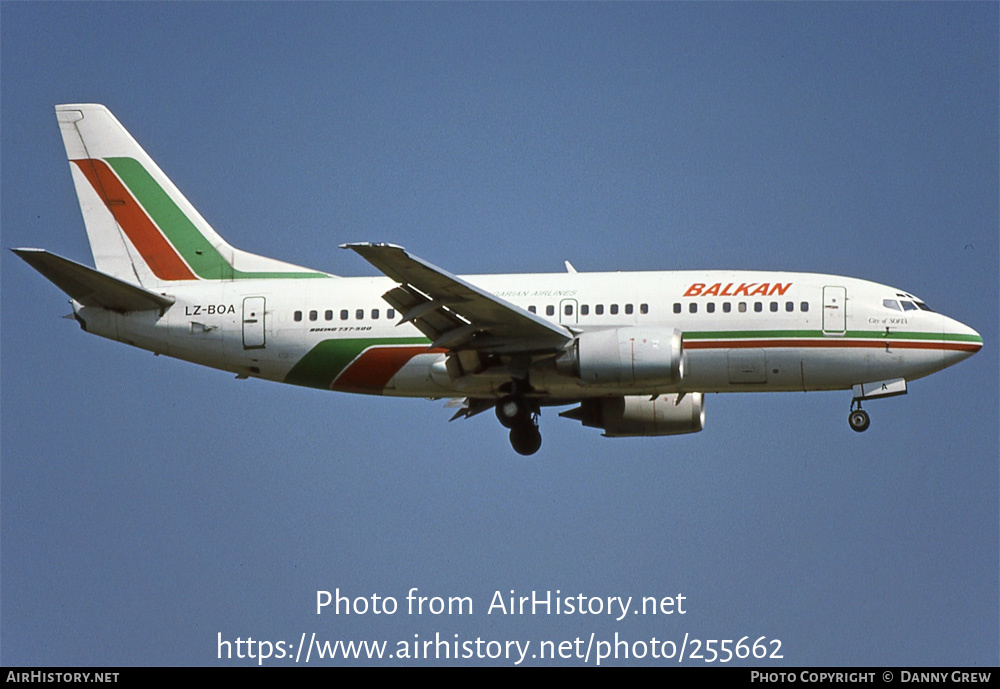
(804,306)
(774,307)
(599,309)
(328,315)
(710,307)
(628,309)
(550,310)
(568,309)
(727,307)
(313,315)
(532,309)
(677,308)
(758,307)
(693,307)
(789,306)
(643,308)
(298,316)
(614,309)
(743,307)
(359,314)
(343,315)
(375,314)
(390,314)
(584,309)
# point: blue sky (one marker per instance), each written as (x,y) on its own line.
(149,505)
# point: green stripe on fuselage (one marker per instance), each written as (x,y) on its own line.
(323,363)
(206,262)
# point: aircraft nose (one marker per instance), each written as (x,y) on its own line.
(961,338)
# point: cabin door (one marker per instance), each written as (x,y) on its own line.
(253,323)
(834,310)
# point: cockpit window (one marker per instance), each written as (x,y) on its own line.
(909,302)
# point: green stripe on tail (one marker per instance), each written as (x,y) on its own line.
(203,258)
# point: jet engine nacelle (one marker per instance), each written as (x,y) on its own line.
(637,415)
(629,356)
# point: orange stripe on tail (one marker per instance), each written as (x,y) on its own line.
(156,251)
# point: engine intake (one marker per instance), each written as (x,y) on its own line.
(637,415)
(629,356)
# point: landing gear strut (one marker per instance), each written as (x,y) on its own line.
(858,418)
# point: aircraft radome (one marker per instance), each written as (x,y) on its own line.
(635,353)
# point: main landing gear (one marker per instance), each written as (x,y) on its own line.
(858,418)
(517,414)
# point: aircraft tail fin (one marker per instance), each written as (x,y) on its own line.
(140,226)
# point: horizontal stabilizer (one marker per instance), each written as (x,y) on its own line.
(91,287)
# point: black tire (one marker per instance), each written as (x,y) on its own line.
(525,439)
(511,411)
(859,420)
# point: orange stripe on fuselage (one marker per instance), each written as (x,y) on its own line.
(375,367)
(832,343)
(156,251)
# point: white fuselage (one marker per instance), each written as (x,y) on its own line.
(742,331)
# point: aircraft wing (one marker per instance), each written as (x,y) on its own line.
(456,314)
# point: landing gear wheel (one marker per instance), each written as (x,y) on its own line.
(512,411)
(859,421)
(525,438)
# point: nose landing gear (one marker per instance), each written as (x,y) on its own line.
(858,419)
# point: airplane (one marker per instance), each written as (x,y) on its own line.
(635,352)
